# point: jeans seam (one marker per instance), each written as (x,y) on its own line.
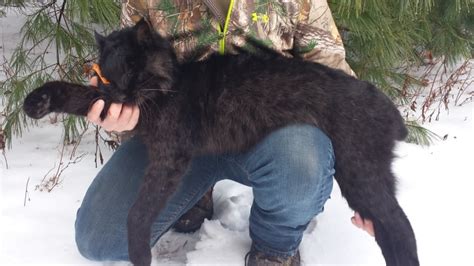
(234,161)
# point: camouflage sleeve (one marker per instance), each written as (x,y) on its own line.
(133,11)
(317,38)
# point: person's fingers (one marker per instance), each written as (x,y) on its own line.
(369,227)
(110,121)
(132,123)
(364,224)
(94,113)
(354,222)
(94,81)
(357,220)
(124,118)
(119,117)
(128,118)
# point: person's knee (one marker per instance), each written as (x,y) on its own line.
(84,241)
(304,154)
(302,166)
(101,220)
(97,241)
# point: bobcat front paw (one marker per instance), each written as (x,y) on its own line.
(38,103)
(46,99)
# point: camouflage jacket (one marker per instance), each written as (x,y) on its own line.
(304,26)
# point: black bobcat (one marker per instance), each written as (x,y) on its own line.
(228,103)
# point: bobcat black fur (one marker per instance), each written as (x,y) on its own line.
(229,103)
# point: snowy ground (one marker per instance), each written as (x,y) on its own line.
(435,190)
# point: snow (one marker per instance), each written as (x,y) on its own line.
(435,190)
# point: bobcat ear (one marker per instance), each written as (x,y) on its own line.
(100,40)
(144,31)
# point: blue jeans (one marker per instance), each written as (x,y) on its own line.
(290,172)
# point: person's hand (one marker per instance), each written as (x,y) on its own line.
(363,224)
(120,117)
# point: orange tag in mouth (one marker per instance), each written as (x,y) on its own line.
(96,69)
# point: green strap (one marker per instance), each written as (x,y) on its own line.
(223,32)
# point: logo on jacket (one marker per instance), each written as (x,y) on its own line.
(260,17)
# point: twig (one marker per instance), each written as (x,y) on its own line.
(98,153)
(76,160)
(73,152)
(464,85)
(47,173)
(61,12)
(5,157)
(54,180)
(445,85)
(2,146)
(60,162)
(26,192)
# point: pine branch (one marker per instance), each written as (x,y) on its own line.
(385,40)
(420,135)
(66,27)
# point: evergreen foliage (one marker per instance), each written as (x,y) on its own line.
(65,28)
(383,40)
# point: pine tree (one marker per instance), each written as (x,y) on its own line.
(385,39)
(64,27)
